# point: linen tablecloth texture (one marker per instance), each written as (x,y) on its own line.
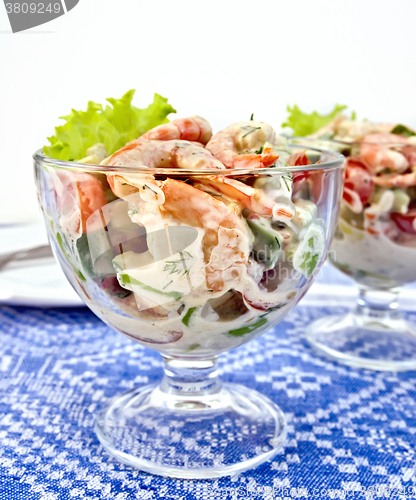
(348,428)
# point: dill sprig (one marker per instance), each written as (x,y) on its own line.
(178,266)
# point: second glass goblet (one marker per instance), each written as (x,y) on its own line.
(374,244)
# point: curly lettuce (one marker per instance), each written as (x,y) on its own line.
(112,126)
(403,130)
(303,124)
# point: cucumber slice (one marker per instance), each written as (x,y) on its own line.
(187,317)
(267,241)
(310,249)
(247,329)
(128,282)
(401,201)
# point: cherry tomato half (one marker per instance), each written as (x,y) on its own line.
(358,179)
(405,222)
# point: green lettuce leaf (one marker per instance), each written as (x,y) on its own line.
(113,126)
(402,130)
(304,124)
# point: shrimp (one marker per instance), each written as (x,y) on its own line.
(378,158)
(183,154)
(346,129)
(155,154)
(256,200)
(164,154)
(226,241)
(194,128)
(402,181)
(233,146)
(226,238)
(80,196)
(331,127)
(126,185)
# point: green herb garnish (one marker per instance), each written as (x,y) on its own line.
(173,266)
(193,347)
(247,329)
(274,308)
(250,130)
(290,179)
(126,279)
(311,259)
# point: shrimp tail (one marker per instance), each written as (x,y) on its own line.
(263,160)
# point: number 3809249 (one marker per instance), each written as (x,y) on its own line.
(33,8)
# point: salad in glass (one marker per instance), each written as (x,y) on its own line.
(375,242)
(190,243)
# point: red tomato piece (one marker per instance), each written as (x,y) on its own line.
(405,222)
(297,159)
(358,179)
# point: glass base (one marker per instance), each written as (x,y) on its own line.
(192,436)
(376,343)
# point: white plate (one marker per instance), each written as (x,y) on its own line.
(37,283)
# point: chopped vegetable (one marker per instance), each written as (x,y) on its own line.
(188,315)
(248,329)
(267,241)
(406,222)
(310,250)
(193,347)
(126,280)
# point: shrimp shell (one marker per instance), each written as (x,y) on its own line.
(232,145)
(155,154)
(402,181)
(225,243)
(377,158)
(164,154)
(247,196)
(194,128)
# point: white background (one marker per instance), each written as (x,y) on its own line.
(220,59)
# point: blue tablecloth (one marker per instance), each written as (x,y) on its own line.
(348,428)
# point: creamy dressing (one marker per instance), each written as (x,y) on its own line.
(172,337)
(373,260)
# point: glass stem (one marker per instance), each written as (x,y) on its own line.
(184,377)
(378,305)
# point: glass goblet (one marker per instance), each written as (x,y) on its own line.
(374,244)
(166,258)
